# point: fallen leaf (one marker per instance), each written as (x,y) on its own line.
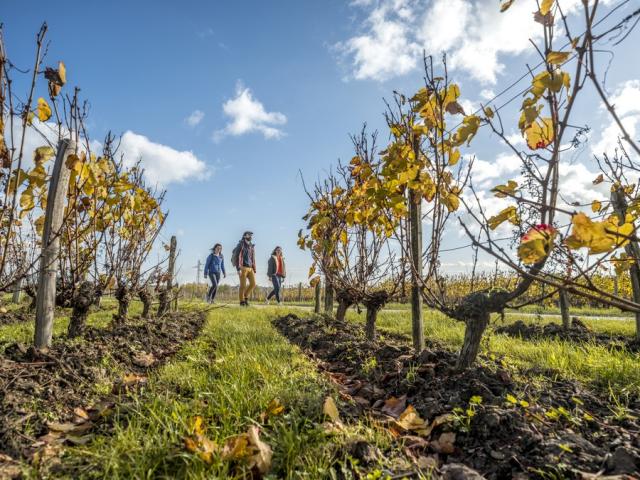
(81,414)
(197,425)
(410,421)
(394,406)
(235,448)
(79,440)
(261,458)
(143,359)
(274,408)
(132,379)
(69,427)
(330,409)
(445,443)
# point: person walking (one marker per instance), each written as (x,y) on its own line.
(213,267)
(276,271)
(244,259)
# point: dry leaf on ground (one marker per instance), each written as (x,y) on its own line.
(330,409)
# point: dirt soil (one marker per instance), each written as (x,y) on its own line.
(59,396)
(558,429)
(578,333)
(16,316)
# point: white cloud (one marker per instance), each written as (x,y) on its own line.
(475,35)
(195,118)
(626,100)
(247,115)
(386,49)
(162,164)
(487,94)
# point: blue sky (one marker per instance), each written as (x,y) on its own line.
(273,89)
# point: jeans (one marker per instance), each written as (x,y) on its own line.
(215,279)
(277,283)
(246,273)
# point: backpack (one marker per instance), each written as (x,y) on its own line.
(235,256)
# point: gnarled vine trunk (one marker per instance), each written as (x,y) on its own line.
(123,295)
(343,306)
(370,326)
(145,297)
(81,302)
(476,325)
(163,301)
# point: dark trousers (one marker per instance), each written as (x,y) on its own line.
(277,283)
(215,279)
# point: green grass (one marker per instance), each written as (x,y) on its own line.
(593,364)
(228,376)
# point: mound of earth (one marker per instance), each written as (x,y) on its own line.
(15,316)
(54,397)
(578,333)
(495,424)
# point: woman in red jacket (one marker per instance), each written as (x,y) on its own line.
(276,271)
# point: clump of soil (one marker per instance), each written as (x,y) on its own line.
(517,430)
(45,392)
(578,333)
(15,316)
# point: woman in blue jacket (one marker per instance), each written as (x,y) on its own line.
(212,269)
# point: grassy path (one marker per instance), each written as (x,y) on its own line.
(228,376)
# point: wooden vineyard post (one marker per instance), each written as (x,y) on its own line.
(328,297)
(564,309)
(317,291)
(632,250)
(17,288)
(415,226)
(46,295)
(172,266)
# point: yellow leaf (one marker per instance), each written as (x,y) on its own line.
(43,110)
(505,5)
(274,408)
(599,237)
(557,58)
(596,206)
(62,72)
(507,190)
(27,200)
(467,130)
(330,409)
(411,421)
(536,244)
(508,214)
(545,6)
(488,111)
(451,201)
(197,425)
(42,154)
(454,157)
(540,134)
(73,163)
